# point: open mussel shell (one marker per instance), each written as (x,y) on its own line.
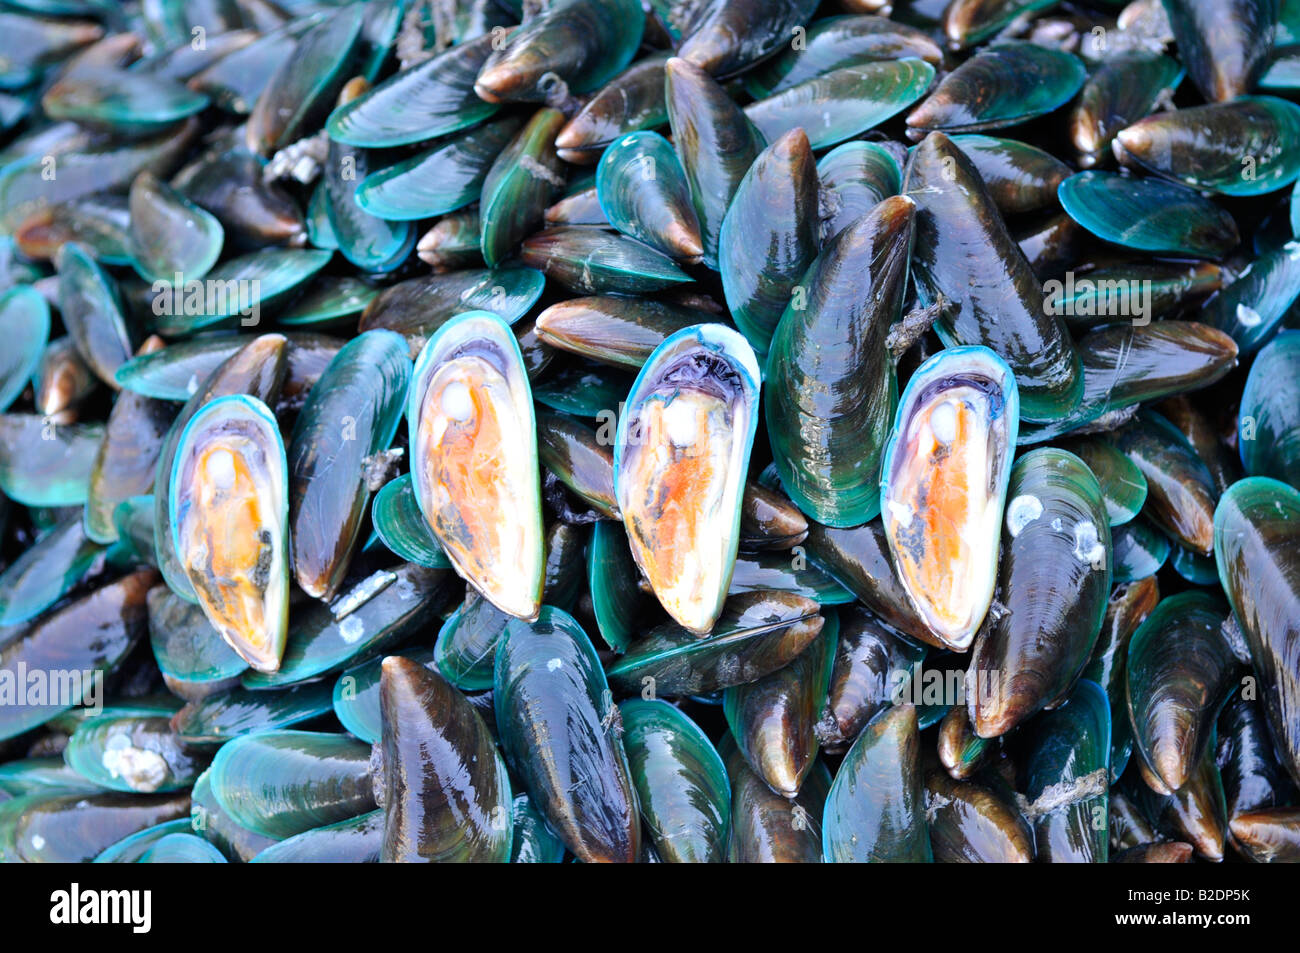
(773,720)
(446,796)
(681,783)
(281,783)
(1255,545)
(25,324)
(1179,670)
(827,441)
(351,414)
(470,401)
(875,810)
(757,634)
(1054,581)
(553,712)
(681,453)
(1268,425)
(229,514)
(1068,776)
(257,369)
(944,483)
(1148,214)
(569,48)
(964,253)
(92,633)
(1001,85)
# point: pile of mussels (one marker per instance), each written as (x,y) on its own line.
(802,460)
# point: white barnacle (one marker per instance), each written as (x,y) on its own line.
(1022,511)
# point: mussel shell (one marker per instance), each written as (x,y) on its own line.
(843,103)
(947,464)
(1001,85)
(875,811)
(433,98)
(716,142)
(281,783)
(974,823)
(1148,214)
(217,718)
(351,414)
(91,634)
(186,648)
(631,101)
(613,329)
(1138,550)
(1255,548)
(446,794)
(357,840)
(769,828)
(470,400)
(1181,494)
(447,177)
(679,468)
(1124,88)
(869,658)
(1071,749)
(1268,836)
(132,753)
(1123,487)
(1268,422)
(589,260)
(680,780)
(1251,308)
(91,309)
(1223,45)
(573,46)
(1179,672)
(1019,177)
(831,383)
(1055,582)
(229,514)
(374,610)
(757,634)
(25,322)
(643,192)
(534,842)
(46,571)
(997,299)
(518,187)
(76,828)
(467,643)
(557,724)
(773,720)
(169,234)
(853,178)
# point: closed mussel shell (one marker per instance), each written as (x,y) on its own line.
(1054,580)
(875,811)
(975,824)
(132,753)
(1255,530)
(446,797)
(1179,671)
(281,783)
(767,827)
(681,783)
(557,724)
